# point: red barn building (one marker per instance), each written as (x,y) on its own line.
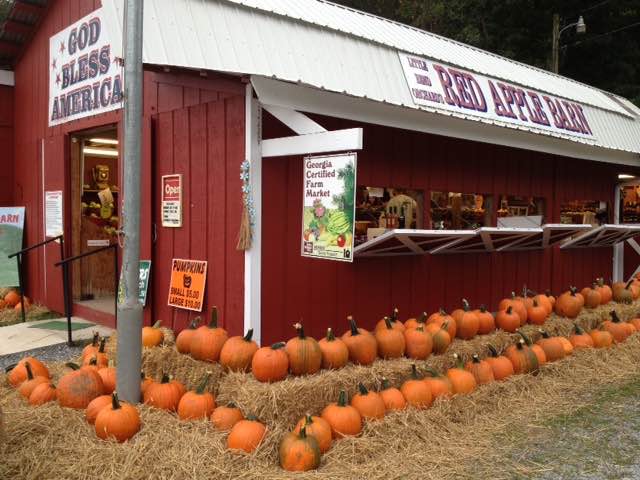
(507,165)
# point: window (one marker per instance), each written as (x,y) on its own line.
(516,211)
(592,212)
(460,211)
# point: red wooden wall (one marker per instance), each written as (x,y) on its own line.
(6,145)
(322,293)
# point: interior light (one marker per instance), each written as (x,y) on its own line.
(100,152)
(104,141)
(625,176)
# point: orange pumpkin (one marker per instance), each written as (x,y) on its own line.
(28,386)
(569,304)
(517,305)
(12,298)
(225,417)
(535,348)
(305,356)
(545,302)
(318,428)
(480,369)
(208,340)
(392,397)
(43,393)
(536,313)
(391,343)
(119,420)
(335,353)
(568,346)
(467,322)
(270,364)
(580,339)
(440,318)
(606,294)
(415,323)
(416,392)
(487,323)
(94,407)
(184,338)
(369,404)
(395,323)
(16,374)
(91,349)
(601,338)
(144,383)
(197,404)
(553,348)
(101,358)
(152,336)
(108,375)
(462,381)
(623,292)
(299,452)
(165,394)
(501,365)
(77,388)
(419,343)
(440,337)
(362,345)
(27,305)
(345,420)
(440,385)
(238,351)
(616,328)
(592,297)
(636,323)
(524,360)
(508,320)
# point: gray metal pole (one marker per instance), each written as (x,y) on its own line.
(130,309)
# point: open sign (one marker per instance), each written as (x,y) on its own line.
(172,200)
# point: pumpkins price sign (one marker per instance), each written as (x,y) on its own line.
(328,209)
(188,279)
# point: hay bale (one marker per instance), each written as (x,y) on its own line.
(111,347)
(166,359)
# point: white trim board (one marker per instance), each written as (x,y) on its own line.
(7,78)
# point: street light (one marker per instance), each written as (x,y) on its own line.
(581,27)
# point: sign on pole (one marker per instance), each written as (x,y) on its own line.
(329,206)
(53,213)
(11,231)
(172,200)
(145,273)
(188,279)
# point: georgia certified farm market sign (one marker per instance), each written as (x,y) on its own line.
(84,77)
(442,86)
(328,207)
(188,279)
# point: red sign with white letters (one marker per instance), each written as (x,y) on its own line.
(172,200)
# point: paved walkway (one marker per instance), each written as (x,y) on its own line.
(19,337)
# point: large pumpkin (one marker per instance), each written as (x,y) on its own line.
(462,381)
(480,369)
(238,351)
(270,364)
(552,346)
(418,342)
(501,365)
(152,336)
(318,428)
(569,304)
(197,404)
(165,394)
(467,322)
(305,356)
(391,343)
(184,338)
(16,374)
(299,452)
(395,322)
(119,420)
(344,419)
(392,397)
(524,360)
(362,345)
(536,313)
(246,435)
(508,320)
(335,353)
(415,391)
(486,322)
(369,404)
(76,389)
(208,340)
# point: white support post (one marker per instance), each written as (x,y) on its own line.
(323,142)
(618,249)
(253,256)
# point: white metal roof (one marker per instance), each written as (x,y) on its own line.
(333,48)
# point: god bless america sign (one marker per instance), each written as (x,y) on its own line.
(84,77)
(442,86)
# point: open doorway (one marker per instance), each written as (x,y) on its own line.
(95,180)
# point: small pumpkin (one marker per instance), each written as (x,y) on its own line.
(601,338)
(12,298)
(501,365)
(480,369)
(508,320)
(184,338)
(439,384)
(165,394)
(467,322)
(552,346)
(569,303)
(207,341)
(91,349)
(440,318)
(622,292)
(305,356)
(369,404)
(318,428)
(16,374)
(568,347)
(392,397)
(524,360)
(246,435)
(345,420)
(580,339)
(26,388)
(335,353)
(94,407)
(270,364)
(486,322)
(152,336)
(108,375)
(462,381)
(421,321)
(418,342)
(197,404)
(119,420)
(440,337)
(592,297)
(225,417)
(396,324)
(616,328)
(606,294)
(544,301)
(43,393)
(77,388)
(299,452)
(102,360)
(27,305)
(362,345)
(517,305)
(238,351)
(536,313)
(391,343)
(415,391)
(535,348)
(636,323)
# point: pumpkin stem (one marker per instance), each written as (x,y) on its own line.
(458,360)
(72,366)
(277,346)
(394,315)
(8,368)
(524,291)
(509,309)
(214,317)
(363,390)
(535,302)
(29,371)
(115,401)
(385,383)
(387,322)
(520,344)
(578,330)
(165,378)
(308,420)
(614,317)
(432,372)
(475,358)
(102,344)
(626,287)
(248,335)
(442,311)
(231,405)
(573,291)
(330,336)
(525,338)
(414,372)
(445,325)
(342,398)
(303,431)
(465,305)
(544,333)
(513,295)
(96,339)
(423,318)
(195,322)
(203,383)
(93,361)
(252,418)
(300,330)
(531,292)
(483,309)
(547,293)
(157,324)
(492,349)
(354,327)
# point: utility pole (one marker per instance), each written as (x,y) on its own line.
(555,45)
(130,308)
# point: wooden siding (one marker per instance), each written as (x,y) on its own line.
(6,145)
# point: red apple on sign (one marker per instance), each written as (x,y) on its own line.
(341,240)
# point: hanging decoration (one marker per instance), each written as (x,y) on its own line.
(248,210)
